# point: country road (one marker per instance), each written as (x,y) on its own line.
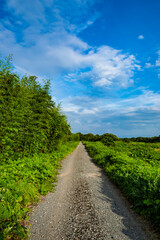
(85,205)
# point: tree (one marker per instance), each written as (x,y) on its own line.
(108,139)
(29,118)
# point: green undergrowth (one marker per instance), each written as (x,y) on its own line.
(135,168)
(22,181)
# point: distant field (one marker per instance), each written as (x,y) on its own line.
(135,167)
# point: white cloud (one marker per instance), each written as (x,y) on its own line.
(158,63)
(113,67)
(149,65)
(29,11)
(54,50)
(60,52)
(108,66)
(155,65)
(141,37)
(103,82)
(71,108)
(49,54)
(115,115)
(158,60)
(88,111)
(147,100)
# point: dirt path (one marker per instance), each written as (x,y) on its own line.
(85,205)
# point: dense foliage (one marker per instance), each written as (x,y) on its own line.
(29,119)
(135,167)
(33,134)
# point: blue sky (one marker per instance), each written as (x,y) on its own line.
(102,56)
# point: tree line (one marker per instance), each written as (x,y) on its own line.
(109,138)
(30,121)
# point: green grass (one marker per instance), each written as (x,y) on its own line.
(135,168)
(21,183)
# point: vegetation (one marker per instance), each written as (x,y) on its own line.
(21,183)
(135,167)
(143,139)
(109,138)
(33,140)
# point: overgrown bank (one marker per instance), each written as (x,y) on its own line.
(21,183)
(135,167)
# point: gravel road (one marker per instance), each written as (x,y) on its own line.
(85,205)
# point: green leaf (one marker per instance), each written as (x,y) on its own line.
(19,199)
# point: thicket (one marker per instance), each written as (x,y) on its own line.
(33,139)
(135,167)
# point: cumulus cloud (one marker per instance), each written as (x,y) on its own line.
(111,66)
(140,37)
(149,65)
(51,53)
(107,66)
